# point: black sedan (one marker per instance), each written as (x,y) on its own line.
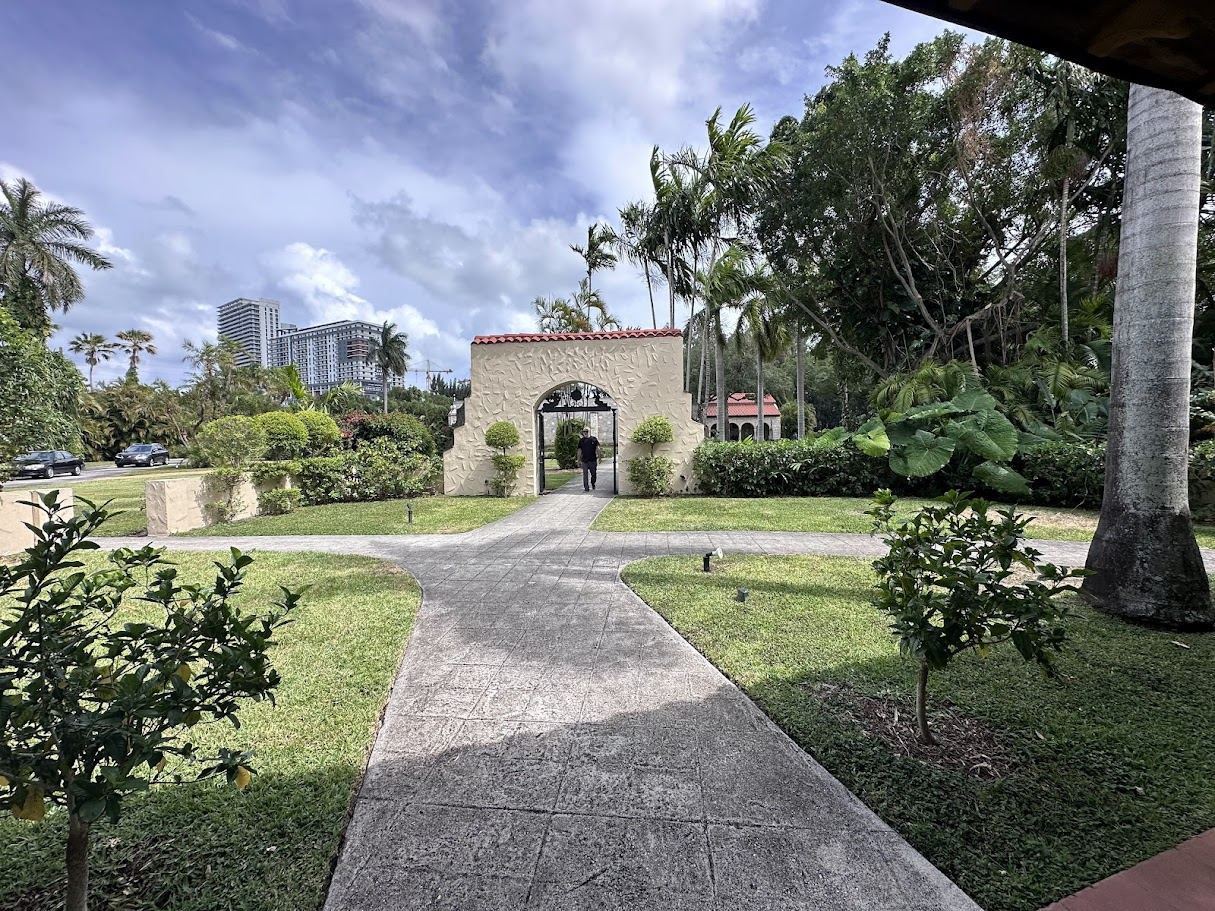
(142,454)
(47,463)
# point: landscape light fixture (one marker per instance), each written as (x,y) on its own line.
(742,596)
(409,512)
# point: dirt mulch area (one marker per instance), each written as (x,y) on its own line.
(962,743)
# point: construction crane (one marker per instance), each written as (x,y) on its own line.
(429,370)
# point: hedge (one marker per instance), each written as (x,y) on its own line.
(1059,474)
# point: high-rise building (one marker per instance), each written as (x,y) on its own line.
(332,354)
(253,323)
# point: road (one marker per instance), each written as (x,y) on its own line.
(103,473)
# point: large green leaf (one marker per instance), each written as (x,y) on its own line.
(925,454)
(988,434)
(973,400)
(871,438)
(900,432)
(928,412)
(1001,478)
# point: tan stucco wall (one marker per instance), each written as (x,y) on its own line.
(14,536)
(180,504)
(644,376)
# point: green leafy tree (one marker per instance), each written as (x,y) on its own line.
(40,243)
(93,710)
(502,436)
(597,254)
(565,442)
(389,354)
(95,347)
(136,343)
(959,577)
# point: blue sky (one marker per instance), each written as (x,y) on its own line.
(411,160)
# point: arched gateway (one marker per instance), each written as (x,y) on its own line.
(639,371)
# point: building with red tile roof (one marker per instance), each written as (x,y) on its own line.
(742,417)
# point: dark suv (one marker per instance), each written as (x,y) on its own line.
(142,454)
(46,463)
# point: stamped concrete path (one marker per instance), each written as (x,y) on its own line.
(551,743)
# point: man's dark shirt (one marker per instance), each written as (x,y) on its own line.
(586,449)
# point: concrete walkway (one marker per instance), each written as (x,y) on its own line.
(551,743)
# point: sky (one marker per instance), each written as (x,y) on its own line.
(423,162)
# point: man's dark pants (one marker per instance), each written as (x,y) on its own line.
(589,471)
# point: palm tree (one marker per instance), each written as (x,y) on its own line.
(95,347)
(389,354)
(597,253)
(39,243)
(761,321)
(135,342)
(1146,562)
(343,398)
(731,283)
(636,243)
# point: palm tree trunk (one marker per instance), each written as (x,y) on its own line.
(670,275)
(1146,563)
(1064,328)
(800,381)
(719,347)
(384,387)
(702,392)
(92,364)
(649,287)
(761,422)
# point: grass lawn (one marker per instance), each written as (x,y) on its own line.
(200,847)
(431,515)
(830,514)
(1110,764)
(127,494)
(554,478)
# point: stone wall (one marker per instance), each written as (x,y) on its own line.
(14,513)
(644,376)
(180,504)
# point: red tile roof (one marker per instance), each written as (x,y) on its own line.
(576,336)
(741,405)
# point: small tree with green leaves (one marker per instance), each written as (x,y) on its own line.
(958,577)
(565,444)
(93,710)
(651,475)
(503,436)
(232,442)
(286,434)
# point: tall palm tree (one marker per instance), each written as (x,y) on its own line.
(95,347)
(390,355)
(761,320)
(732,282)
(39,243)
(636,243)
(1146,562)
(597,254)
(135,342)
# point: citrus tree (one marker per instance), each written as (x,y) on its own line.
(502,436)
(93,710)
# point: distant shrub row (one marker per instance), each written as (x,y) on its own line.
(1059,474)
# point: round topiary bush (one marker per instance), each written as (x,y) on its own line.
(651,475)
(323,432)
(502,435)
(286,435)
(232,442)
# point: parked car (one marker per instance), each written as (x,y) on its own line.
(46,463)
(142,454)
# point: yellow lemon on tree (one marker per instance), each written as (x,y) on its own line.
(185,672)
(34,807)
(3,782)
(243,777)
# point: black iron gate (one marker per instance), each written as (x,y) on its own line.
(575,399)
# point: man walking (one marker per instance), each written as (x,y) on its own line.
(588,458)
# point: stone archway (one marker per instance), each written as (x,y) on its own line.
(642,369)
(594,407)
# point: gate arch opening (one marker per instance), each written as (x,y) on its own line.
(586,402)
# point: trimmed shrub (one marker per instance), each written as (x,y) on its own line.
(274,472)
(231,442)
(280,501)
(565,445)
(323,433)
(326,479)
(787,468)
(379,470)
(1064,474)
(286,435)
(651,475)
(405,430)
(504,435)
